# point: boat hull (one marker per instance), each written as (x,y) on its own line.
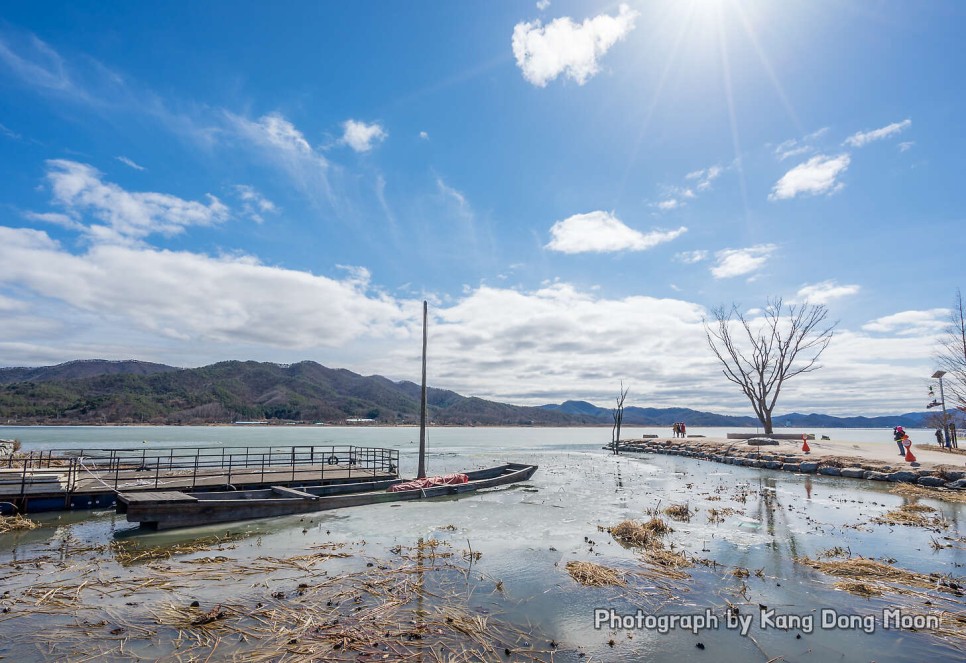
(175,509)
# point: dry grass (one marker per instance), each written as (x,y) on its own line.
(15,523)
(412,606)
(874,571)
(668,563)
(913,515)
(641,535)
(860,588)
(719,515)
(664,563)
(595,575)
(679,512)
(912,490)
(129,551)
(926,593)
(837,551)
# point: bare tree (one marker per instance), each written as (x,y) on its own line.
(785,341)
(952,353)
(618,414)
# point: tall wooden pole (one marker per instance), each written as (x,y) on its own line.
(421,472)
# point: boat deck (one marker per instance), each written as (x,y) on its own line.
(169,509)
(84,479)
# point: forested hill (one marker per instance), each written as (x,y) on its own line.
(119,392)
(95,391)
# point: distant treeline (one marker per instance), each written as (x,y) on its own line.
(134,392)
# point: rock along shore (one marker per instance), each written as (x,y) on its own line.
(770,454)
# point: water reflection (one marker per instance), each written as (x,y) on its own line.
(524,537)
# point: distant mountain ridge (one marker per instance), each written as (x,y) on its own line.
(648,416)
(116,392)
(81,368)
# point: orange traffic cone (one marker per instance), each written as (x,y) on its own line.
(805,447)
(909,457)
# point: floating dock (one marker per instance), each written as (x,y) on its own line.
(63,479)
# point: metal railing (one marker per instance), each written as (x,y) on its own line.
(192,468)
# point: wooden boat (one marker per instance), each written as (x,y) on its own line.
(169,509)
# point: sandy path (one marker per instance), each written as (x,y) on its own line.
(883,451)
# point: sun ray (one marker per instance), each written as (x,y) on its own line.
(655,98)
(729,94)
(766,64)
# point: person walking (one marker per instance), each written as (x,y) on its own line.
(939,436)
(897,434)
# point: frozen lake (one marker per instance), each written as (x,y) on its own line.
(525,536)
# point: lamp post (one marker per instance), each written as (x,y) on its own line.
(938,375)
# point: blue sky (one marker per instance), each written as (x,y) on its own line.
(571,185)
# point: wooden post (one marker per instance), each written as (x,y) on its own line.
(421,471)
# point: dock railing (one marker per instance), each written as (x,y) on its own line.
(189,468)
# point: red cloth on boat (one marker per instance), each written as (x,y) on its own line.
(429,482)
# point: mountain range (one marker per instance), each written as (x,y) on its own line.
(125,392)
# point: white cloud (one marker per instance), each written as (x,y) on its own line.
(543,4)
(691,257)
(697,182)
(288,148)
(906,145)
(275,131)
(798,146)
(57,219)
(361,136)
(254,204)
(564,47)
(424,135)
(815,176)
(865,137)
(452,194)
(738,262)
(194,297)
(824,292)
(602,232)
(10,133)
(125,216)
(910,323)
(129,162)
(39,65)
(705,177)
(790,149)
(514,345)
(539,343)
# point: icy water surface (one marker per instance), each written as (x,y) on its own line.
(497,557)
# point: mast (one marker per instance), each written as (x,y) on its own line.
(421,471)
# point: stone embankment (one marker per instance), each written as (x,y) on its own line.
(762,453)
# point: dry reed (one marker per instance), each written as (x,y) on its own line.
(718,515)
(912,490)
(15,523)
(595,575)
(913,515)
(871,570)
(411,607)
(679,512)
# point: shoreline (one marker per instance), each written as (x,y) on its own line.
(934,468)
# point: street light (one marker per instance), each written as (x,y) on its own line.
(938,375)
